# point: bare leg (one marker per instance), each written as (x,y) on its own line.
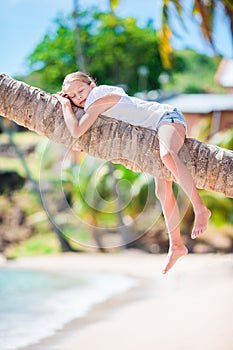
(171,139)
(177,249)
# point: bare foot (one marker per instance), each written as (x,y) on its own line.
(200,223)
(175,252)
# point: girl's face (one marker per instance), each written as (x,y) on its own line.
(78,91)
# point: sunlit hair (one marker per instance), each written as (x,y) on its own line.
(77,76)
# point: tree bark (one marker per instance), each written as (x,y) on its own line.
(135,147)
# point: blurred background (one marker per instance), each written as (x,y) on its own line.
(177,52)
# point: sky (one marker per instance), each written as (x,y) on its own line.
(23,23)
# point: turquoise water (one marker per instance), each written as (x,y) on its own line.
(35,304)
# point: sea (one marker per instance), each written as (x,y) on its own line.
(35,304)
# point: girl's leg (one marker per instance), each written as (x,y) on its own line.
(165,194)
(171,139)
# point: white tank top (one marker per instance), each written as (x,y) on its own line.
(129,109)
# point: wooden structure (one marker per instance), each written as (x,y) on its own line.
(215,108)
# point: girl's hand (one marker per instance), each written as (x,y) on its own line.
(62,98)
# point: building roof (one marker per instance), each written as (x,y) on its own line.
(201,103)
(224,75)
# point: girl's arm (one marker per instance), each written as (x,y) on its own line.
(78,128)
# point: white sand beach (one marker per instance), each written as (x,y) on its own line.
(190,308)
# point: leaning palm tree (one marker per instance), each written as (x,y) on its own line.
(134,147)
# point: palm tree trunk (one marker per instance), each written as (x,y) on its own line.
(113,140)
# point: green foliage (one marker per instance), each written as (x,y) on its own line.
(126,47)
(40,244)
(53,57)
(98,188)
(30,235)
(114,49)
(22,140)
(223,138)
(193,73)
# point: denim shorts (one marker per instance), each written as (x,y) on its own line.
(174,116)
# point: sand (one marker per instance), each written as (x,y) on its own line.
(190,308)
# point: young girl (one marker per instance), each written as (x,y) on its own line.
(113,102)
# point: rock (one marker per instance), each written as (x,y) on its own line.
(10,181)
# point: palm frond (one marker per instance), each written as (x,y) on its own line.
(228,3)
(205,9)
(165,48)
(178,6)
(228,6)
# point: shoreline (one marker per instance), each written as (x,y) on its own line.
(98,312)
(201,284)
(90,262)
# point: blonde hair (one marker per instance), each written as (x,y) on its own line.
(77,76)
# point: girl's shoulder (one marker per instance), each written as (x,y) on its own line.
(101,91)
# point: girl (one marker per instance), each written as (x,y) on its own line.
(113,102)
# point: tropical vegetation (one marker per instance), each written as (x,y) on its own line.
(128,52)
(93,199)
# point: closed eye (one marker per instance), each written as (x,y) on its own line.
(71,95)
